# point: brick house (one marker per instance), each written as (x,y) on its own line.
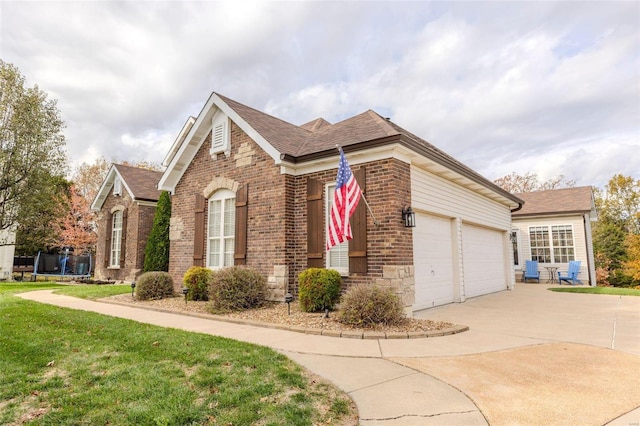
(554,227)
(125,206)
(251,189)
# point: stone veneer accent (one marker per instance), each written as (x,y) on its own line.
(401,279)
(278,283)
(244,155)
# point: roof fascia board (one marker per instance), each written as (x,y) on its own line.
(103,192)
(171,177)
(547,215)
(178,142)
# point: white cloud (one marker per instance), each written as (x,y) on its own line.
(524,86)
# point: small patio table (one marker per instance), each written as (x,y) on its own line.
(552,273)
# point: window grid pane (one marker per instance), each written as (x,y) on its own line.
(540,246)
(116,239)
(562,243)
(221,229)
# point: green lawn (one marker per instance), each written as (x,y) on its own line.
(618,291)
(61,366)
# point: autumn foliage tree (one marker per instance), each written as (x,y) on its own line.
(616,235)
(77,228)
(529,182)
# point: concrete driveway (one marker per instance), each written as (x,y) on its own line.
(531,357)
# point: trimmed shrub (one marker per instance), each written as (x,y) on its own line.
(319,289)
(156,252)
(196,279)
(237,288)
(154,286)
(370,305)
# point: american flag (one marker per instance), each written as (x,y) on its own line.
(345,200)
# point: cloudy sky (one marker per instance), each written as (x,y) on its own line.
(545,87)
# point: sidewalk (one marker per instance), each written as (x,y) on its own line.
(454,379)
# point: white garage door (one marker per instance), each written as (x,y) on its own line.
(433,257)
(483,261)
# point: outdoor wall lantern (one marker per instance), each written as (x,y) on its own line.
(185,291)
(133,287)
(408,217)
(288,298)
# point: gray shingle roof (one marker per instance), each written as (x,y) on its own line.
(556,201)
(142,182)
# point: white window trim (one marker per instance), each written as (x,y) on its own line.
(519,248)
(551,246)
(342,270)
(223,195)
(115,252)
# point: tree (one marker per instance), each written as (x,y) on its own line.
(516,183)
(32,157)
(89,177)
(77,228)
(620,201)
(37,228)
(156,252)
(616,235)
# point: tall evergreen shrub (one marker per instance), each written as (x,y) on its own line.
(156,252)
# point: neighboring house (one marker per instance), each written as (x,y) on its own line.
(251,189)
(7,251)
(553,228)
(126,204)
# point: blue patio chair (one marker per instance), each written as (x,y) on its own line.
(572,273)
(531,272)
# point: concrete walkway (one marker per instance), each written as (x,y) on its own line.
(531,356)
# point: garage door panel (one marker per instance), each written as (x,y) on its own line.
(483,260)
(433,260)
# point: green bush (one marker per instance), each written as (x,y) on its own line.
(319,289)
(370,305)
(154,285)
(196,279)
(237,288)
(156,252)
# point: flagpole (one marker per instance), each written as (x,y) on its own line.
(375,221)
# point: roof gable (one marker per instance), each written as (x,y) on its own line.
(140,184)
(557,202)
(291,145)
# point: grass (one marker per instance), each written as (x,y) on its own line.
(617,291)
(62,366)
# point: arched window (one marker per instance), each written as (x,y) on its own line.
(116,239)
(221,229)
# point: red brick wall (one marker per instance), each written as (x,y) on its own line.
(266,239)
(277,230)
(388,189)
(139,223)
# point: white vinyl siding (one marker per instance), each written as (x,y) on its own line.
(338,255)
(578,234)
(221,229)
(116,239)
(476,269)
